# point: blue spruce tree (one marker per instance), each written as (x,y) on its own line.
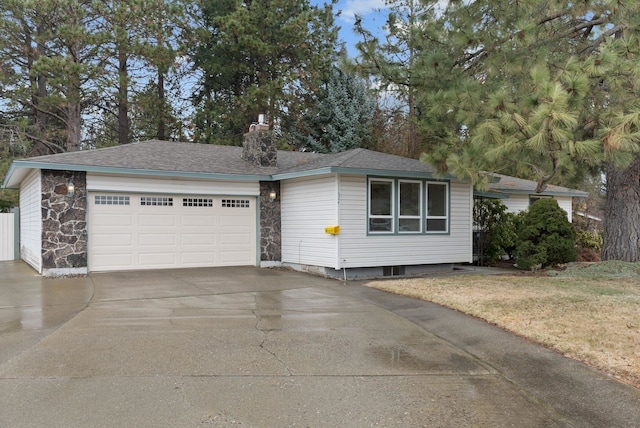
(341,117)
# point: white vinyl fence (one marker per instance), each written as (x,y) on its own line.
(8,236)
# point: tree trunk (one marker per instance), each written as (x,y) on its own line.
(41,119)
(622,214)
(123,98)
(162,133)
(74,123)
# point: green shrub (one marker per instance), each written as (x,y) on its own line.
(589,239)
(8,200)
(498,235)
(545,236)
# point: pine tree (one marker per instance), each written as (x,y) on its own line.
(394,62)
(258,57)
(25,30)
(141,50)
(539,89)
(73,60)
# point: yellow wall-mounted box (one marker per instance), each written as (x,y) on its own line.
(332,230)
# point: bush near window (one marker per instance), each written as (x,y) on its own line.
(498,230)
(546,238)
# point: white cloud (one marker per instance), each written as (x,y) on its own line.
(351,8)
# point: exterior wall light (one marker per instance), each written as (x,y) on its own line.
(273,195)
(71,189)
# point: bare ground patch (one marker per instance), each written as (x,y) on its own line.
(594,320)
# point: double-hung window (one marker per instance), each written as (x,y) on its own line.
(437,207)
(381,206)
(410,206)
(405,206)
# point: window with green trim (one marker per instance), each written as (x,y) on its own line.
(437,207)
(405,206)
(410,206)
(381,206)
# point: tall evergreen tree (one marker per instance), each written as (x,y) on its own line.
(52,50)
(74,59)
(542,89)
(166,25)
(341,117)
(394,62)
(25,28)
(141,49)
(258,57)
(121,20)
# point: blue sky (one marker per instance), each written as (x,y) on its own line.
(372,12)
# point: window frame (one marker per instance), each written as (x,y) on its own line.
(395,216)
(156,201)
(446,217)
(112,200)
(381,217)
(419,216)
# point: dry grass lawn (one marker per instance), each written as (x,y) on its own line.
(594,320)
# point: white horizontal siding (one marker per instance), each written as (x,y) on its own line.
(518,203)
(566,203)
(129,184)
(308,206)
(31,220)
(7,236)
(361,250)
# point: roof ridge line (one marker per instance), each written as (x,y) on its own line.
(354,153)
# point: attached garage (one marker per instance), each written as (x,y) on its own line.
(147,231)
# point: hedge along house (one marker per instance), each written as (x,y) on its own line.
(158,204)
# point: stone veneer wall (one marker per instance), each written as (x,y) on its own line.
(64,222)
(259,148)
(270,223)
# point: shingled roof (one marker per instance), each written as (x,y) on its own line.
(508,184)
(167,158)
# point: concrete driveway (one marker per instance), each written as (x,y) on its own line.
(268,348)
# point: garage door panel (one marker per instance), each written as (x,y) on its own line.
(155,220)
(198,239)
(114,239)
(229,239)
(240,220)
(197,258)
(191,232)
(114,220)
(113,260)
(159,239)
(156,259)
(229,257)
(198,220)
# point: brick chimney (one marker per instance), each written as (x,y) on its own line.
(258,145)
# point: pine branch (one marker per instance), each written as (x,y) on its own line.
(57,148)
(550,18)
(590,48)
(583,25)
(542,183)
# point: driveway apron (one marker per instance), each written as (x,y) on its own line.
(269,348)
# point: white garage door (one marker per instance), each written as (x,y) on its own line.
(139,231)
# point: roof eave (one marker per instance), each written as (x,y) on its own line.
(572,193)
(29,165)
(490,195)
(359,171)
